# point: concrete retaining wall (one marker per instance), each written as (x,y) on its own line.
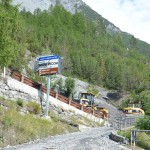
(117,138)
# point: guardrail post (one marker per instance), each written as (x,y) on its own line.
(93,112)
(134,137)
(69,101)
(131,137)
(56,95)
(22,78)
(125,123)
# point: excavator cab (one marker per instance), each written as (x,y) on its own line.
(86,99)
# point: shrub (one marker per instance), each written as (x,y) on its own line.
(143,123)
(33,108)
(69,85)
(92,89)
(19,102)
(54,117)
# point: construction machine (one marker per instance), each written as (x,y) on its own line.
(102,109)
(86,99)
(133,111)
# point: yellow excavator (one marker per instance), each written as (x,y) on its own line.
(134,111)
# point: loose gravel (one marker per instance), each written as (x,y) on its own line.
(91,139)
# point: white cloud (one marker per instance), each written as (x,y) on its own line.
(132,16)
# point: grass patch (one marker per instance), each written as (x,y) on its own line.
(85,121)
(54,117)
(143,136)
(17,129)
(124,133)
(7,103)
(33,107)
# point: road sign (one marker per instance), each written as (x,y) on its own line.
(49,57)
(46,65)
(53,63)
(43,72)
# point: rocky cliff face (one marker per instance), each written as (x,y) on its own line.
(70,5)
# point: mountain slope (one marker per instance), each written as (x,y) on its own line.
(89,50)
(74,6)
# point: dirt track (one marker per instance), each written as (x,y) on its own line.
(91,139)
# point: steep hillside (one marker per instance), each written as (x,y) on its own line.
(89,51)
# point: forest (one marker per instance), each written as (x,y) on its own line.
(89,52)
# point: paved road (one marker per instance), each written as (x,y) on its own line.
(91,139)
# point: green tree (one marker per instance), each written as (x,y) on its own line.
(100,27)
(11,34)
(69,85)
(145,97)
(6,3)
(79,23)
(133,42)
(143,123)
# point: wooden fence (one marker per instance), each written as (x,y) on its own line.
(62,98)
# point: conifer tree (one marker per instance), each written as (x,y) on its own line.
(11,37)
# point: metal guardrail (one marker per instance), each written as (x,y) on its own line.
(123,122)
(133,136)
(38,86)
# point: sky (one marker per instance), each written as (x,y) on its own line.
(132,16)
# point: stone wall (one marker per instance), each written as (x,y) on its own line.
(9,89)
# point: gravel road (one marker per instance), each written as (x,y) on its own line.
(91,139)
